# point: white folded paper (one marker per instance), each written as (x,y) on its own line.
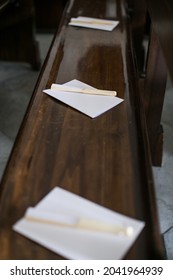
(90,105)
(95,23)
(51,224)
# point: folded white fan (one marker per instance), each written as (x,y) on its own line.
(60,234)
(91,105)
(94,23)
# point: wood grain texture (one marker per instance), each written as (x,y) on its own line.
(106,159)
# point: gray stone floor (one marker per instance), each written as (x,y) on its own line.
(164,175)
(17,82)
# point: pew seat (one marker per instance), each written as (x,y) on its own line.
(106,159)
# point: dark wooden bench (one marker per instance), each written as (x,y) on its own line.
(161,17)
(161,14)
(45,23)
(17,32)
(106,159)
(151,22)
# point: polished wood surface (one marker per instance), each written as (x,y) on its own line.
(106,159)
